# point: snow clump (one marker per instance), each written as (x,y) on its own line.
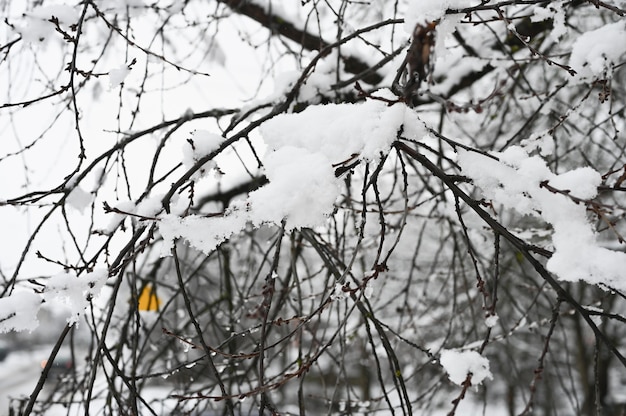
(300,166)
(525,184)
(38,26)
(458,364)
(18,312)
(594,55)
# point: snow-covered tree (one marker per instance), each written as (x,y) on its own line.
(316,207)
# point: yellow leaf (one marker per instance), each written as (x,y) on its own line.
(148,300)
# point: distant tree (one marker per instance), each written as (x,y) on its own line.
(338,207)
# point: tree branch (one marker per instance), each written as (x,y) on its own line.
(309,41)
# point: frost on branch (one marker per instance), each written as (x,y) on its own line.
(302,187)
(515,182)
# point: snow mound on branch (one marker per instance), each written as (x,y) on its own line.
(74,293)
(554,11)
(515,182)
(426,11)
(202,233)
(303,150)
(202,144)
(596,52)
(458,364)
(303,189)
(118,75)
(79,199)
(342,130)
(19,312)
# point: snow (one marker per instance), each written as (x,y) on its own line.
(302,187)
(73,293)
(79,199)
(426,11)
(201,144)
(445,27)
(515,183)
(302,190)
(542,141)
(338,293)
(316,85)
(581,182)
(303,150)
(491,321)
(556,12)
(149,207)
(117,76)
(19,311)
(126,207)
(593,57)
(38,27)
(202,233)
(458,364)
(365,129)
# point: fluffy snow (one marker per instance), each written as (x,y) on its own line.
(74,292)
(365,128)
(19,312)
(514,182)
(426,11)
(299,165)
(556,12)
(79,199)
(338,293)
(149,207)
(202,233)
(445,28)
(593,56)
(126,206)
(491,321)
(303,189)
(117,76)
(458,364)
(202,144)
(317,84)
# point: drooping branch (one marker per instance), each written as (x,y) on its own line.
(520,245)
